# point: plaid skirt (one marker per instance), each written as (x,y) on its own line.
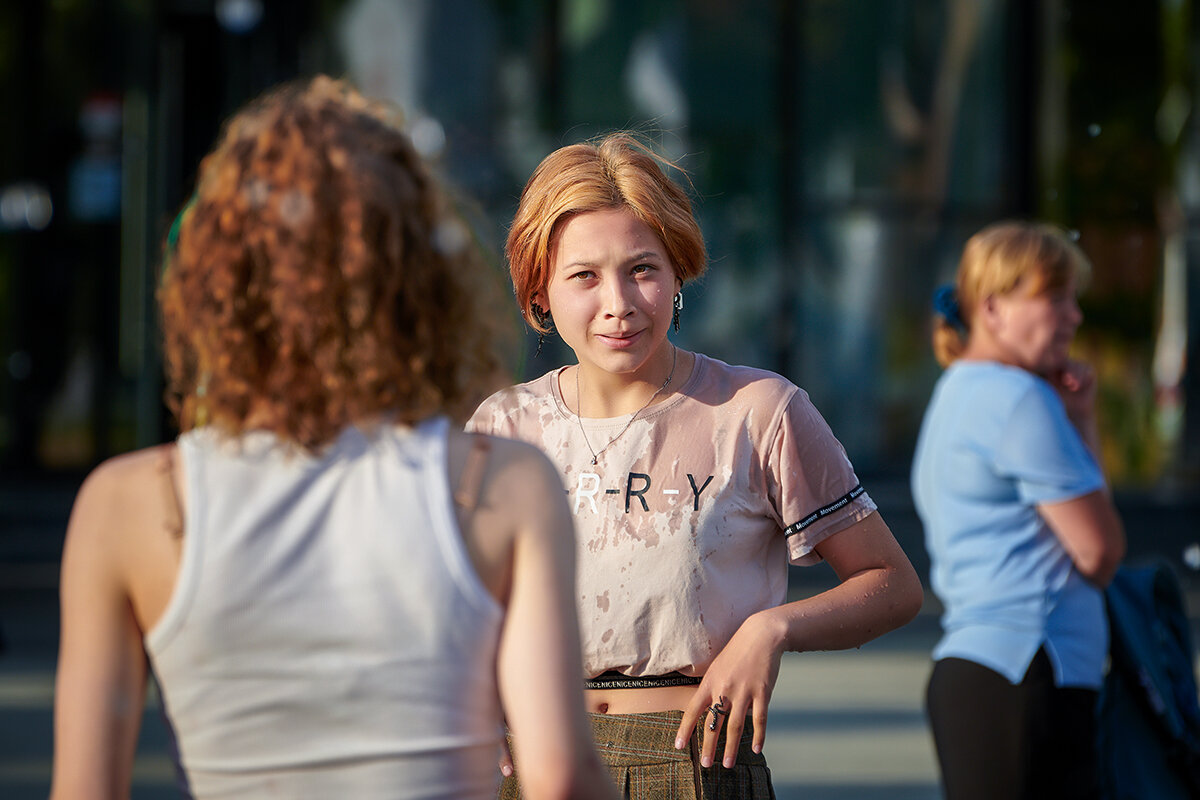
(639,750)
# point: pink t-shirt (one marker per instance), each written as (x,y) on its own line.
(686,523)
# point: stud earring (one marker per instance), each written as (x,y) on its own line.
(678,307)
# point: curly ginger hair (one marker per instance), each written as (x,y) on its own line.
(320,278)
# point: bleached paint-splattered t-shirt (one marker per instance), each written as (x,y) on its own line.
(686,524)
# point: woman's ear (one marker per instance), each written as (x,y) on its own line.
(990,313)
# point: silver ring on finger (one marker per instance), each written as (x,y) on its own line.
(717,710)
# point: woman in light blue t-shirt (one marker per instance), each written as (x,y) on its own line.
(1021,531)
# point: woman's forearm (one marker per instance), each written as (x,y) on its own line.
(878,592)
(862,607)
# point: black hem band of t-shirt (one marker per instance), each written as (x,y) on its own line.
(615,680)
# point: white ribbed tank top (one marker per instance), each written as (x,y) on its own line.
(327,635)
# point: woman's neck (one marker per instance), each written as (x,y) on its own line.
(984,349)
(607,394)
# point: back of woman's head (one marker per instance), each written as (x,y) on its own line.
(319,279)
(618,171)
(1003,258)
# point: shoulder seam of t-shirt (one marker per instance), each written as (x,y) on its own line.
(1030,389)
(781,413)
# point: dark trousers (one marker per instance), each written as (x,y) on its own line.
(996,741)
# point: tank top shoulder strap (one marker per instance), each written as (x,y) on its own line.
(466,495)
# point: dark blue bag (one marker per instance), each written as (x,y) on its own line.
(1149,716)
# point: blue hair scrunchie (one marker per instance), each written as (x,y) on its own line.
(177,223)
(945,304)
(173,234)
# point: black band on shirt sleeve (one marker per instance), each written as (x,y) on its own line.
(823,511)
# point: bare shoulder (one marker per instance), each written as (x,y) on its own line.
(124,481)
(521,462)
(120,498)
(511,502)
(519,484)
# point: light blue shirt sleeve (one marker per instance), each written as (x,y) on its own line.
(1043,453)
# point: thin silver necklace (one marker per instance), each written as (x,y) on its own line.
(579,405)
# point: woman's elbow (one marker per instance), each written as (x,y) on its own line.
(909,597)
(902,597)
(1099,566)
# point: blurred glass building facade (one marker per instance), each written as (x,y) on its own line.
(840,153)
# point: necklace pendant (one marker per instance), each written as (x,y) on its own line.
(593,461)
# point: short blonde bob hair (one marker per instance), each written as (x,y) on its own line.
(320,279)
(617,171)
(1002,258)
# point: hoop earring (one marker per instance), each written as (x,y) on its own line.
(544,321)
(678,303)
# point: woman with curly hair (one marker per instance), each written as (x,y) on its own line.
(337,589)
(693,484)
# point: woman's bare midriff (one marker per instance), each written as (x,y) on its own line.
(638,701)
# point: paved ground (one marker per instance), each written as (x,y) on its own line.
(842,725)
(850,725)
